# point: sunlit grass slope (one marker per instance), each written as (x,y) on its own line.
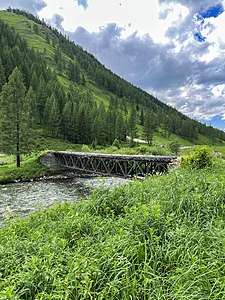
(25,28)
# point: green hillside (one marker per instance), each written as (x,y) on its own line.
(70,95)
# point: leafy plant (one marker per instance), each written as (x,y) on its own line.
(200,158)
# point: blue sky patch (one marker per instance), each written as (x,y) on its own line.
(84,3)
(213,11)
(216,122)
(199,37)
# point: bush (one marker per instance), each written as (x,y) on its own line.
(85,148)
(94,145)
(199,159)
(174,147)
(116,144)
(143,150)
(111,149)
(159,151)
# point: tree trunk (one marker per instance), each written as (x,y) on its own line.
(18,146)
(18,160)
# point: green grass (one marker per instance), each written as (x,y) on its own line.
(7,159)
(53,144)
(30,168)
(25,27)
(161,238)
(159,139)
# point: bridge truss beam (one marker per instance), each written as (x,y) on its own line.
(119,165)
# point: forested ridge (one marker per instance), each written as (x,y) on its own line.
(69,94)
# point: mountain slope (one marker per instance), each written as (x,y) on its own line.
(73,96)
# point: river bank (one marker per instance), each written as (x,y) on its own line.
(30,169)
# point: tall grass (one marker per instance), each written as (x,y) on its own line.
(161,238)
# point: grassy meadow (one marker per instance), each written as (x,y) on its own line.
(160,238)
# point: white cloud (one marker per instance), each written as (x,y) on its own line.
(144,19)
(218,90)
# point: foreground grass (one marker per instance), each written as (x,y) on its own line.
(162,238)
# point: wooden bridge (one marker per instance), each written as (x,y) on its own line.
(114,164)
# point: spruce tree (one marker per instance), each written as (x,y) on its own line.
(42,98)
(149,126)
(120,128)
(55,118)
(52,116)
(13,117)
(132,124)
(2,75)
(67,124)
(31,103)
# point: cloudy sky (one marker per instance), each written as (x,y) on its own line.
(174,49)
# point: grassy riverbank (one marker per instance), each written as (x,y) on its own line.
(30,168)
(161,238)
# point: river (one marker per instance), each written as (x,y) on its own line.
(23,198)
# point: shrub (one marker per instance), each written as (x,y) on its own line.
(94,144)
(174,147)
(111,149)
(85,148)
(143,150)
(159,151)
(116,144)
(199,159)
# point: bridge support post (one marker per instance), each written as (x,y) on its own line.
(49,160)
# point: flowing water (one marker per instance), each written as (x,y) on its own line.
(23,198)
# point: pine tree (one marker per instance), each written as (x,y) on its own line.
(120,128)
(71,71)
(83,80)
(42,98)
(13,121)
(31,103)
(132,124)
(52,117)
(47,38)
(99,126)
(2,75)
(36,29)
(66,124)
(84,125)
(149,126)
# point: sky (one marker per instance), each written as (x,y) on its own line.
(173,49)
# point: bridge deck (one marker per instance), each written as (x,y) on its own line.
(114,164)
(150,158)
